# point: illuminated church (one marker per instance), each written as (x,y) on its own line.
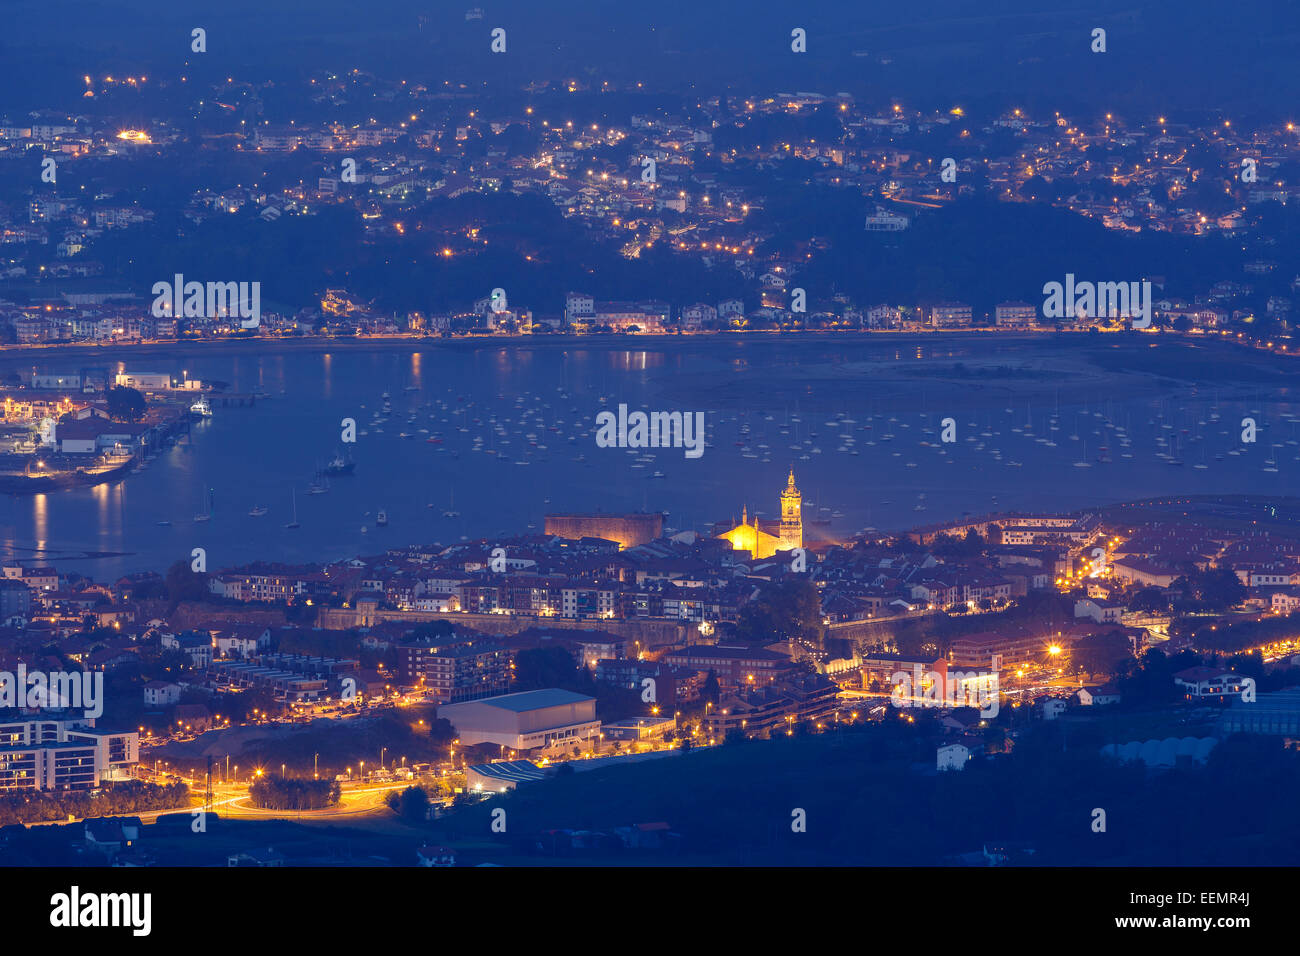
(762,539)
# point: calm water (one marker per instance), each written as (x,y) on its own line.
(754,394)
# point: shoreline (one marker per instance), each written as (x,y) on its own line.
(60,481)
(19,355)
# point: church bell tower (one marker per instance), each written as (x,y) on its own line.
(791,516)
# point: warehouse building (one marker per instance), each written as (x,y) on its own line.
(500,777)
(535,720)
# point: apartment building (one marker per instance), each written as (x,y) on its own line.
(41,755)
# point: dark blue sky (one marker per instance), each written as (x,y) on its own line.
(1163,54)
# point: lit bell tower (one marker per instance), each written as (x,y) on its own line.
(791,516)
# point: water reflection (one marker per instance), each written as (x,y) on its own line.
(427,463)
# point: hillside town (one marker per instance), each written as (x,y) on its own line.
(696,184)
(653,643)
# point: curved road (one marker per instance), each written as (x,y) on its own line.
(357,802)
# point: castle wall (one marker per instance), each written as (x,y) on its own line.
(629,530)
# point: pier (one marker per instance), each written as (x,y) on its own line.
(231,399)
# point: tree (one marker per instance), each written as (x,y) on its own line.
(432,630)
(185,584)
(1152,600)
(785,611)
(173,661)
(150,588)
(282,793)
(125,404)
(995,739)
(712,690)
(947,546)
(540,667)
(1214,589)
(1220,588)
(413,805)
(1100,653)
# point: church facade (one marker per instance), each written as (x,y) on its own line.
(762,539)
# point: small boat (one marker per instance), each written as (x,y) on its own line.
(258,510)
(201,408)
(294,522)
(381,519)
(164,524)
(206,516)
(340,465)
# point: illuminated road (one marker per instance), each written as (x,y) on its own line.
(231,801)
(360,801)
